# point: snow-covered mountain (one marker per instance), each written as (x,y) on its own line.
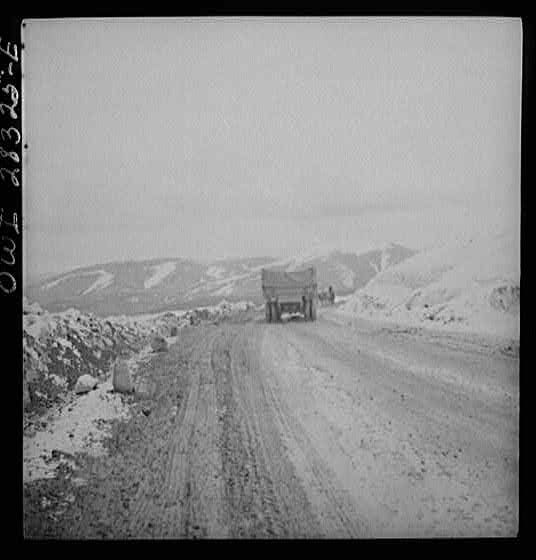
(472,286)
(163,284)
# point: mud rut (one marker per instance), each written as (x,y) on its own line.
(225,474)
(208,461)
(228,445)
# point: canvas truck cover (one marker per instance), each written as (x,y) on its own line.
(272,278)
(289,291)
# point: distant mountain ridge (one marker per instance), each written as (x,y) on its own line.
(149,286)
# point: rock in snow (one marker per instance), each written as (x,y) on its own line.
(76,366)
(85,383)
(60,347)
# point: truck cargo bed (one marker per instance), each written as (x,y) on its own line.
(273,278)
(289,291)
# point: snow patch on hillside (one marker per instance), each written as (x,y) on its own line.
(225,290)
(216,271)
(347,275)
(65,277)
(384,261)
(320,252)
(49,285)
(103,281)
(220,286)
(160,272)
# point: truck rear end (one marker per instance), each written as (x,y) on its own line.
(289,292)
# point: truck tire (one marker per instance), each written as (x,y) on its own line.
(277,312)
(268,307)
(313,309)
(307,310)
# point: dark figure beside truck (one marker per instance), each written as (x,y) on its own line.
(289,292)
(331,294)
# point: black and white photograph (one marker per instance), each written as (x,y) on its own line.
(271,276)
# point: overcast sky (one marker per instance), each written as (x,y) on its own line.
(222,137)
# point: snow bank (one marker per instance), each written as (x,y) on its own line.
(474,286)
(166,323)
(77,428)
(60,347)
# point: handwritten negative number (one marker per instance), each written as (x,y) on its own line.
(7,132)
(13,155)
(14,180)
(8,250)
(12,136)
(13,283)
(14,223)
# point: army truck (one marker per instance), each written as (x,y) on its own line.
(289,292)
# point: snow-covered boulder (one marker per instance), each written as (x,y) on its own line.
(85,383)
